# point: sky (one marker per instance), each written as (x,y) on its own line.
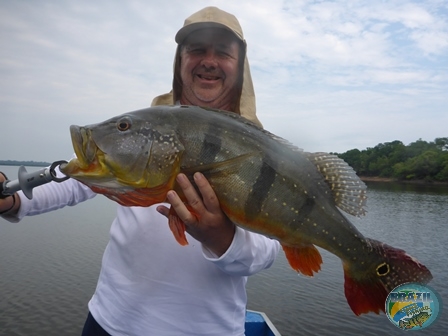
(329,75)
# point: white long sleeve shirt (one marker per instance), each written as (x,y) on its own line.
(151,285)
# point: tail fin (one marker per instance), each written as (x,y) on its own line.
(366,289)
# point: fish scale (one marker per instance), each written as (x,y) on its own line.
(263,183)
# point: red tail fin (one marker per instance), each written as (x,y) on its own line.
(368,284)
(364,297)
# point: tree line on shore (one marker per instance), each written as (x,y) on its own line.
(420,160)
(24,163)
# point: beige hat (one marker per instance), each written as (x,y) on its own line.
(212,17)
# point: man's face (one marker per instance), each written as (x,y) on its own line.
(209,68)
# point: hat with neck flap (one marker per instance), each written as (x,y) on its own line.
(212,17)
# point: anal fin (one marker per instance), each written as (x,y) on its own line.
(305,259)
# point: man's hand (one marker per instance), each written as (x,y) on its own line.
(208,224)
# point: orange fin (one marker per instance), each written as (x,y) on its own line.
(133,197)
(305,259)
(177,227)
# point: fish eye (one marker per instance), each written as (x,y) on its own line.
(124,124)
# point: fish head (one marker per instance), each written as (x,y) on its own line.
(131,158)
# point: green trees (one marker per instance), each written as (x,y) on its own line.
(416,161)
(24,163)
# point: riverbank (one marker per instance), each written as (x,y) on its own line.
(24,163)
(388,179)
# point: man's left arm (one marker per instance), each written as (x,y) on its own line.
(248,254)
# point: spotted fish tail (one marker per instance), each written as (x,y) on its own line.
(367,291)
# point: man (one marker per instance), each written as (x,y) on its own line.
(149,284)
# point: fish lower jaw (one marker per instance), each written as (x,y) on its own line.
(83,169)
(71,168)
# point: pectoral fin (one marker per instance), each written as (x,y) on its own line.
(177,227)
(305,259)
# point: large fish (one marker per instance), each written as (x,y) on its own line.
(263,183)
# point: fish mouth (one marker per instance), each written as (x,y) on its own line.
(86,152)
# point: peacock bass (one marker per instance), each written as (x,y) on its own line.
(264,184)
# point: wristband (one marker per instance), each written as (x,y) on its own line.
(2,185)
(12,206)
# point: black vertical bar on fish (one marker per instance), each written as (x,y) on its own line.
(260,191)
(211,145)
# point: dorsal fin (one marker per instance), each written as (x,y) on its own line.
(349,192)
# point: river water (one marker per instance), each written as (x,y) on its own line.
(49,265)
